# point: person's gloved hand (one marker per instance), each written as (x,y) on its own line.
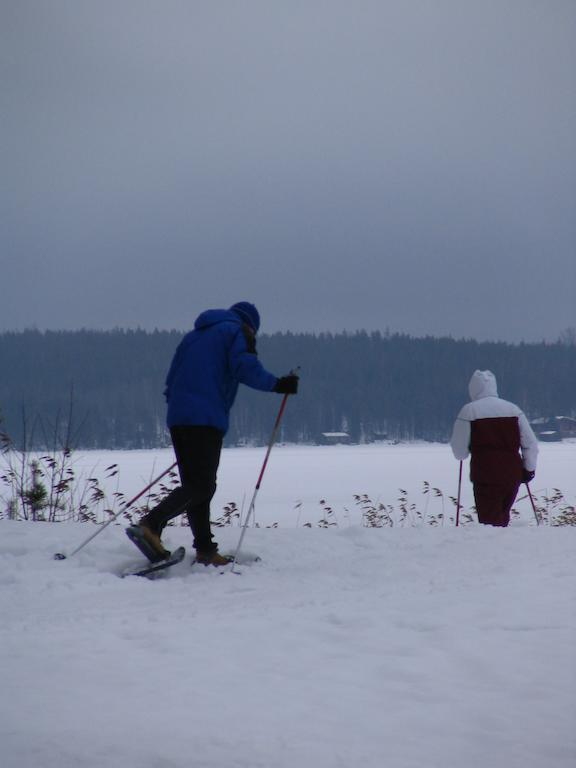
(527,475)
(287,385)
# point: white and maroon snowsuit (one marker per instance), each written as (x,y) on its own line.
(493,432)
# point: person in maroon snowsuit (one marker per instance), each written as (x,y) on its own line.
(502,446)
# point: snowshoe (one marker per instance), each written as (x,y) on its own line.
(148,543)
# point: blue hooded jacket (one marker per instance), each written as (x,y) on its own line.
(209,364)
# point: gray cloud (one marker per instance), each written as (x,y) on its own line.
(343,165)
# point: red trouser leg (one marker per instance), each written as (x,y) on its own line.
(494,502)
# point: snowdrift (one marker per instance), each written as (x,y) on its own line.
(407,648)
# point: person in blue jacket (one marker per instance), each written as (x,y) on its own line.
(209,364)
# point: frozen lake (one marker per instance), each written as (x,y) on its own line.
(298,477)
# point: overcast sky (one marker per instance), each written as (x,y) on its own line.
(401,164)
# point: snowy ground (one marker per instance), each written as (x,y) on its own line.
(407,648)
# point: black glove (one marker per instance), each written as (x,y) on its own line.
(287,385)
(527,475)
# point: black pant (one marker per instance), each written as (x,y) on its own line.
(198,454)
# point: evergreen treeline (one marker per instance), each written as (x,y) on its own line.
(367,384)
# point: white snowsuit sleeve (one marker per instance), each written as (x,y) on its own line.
(460,441)
(528,443)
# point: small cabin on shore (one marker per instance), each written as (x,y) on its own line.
(553,429)
(334,438)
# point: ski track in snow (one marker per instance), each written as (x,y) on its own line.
(406,648)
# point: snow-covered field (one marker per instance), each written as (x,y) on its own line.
(412,647)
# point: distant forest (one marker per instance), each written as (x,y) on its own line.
(369,385)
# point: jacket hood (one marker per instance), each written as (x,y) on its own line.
(213,316)
(248,314)
(482,384)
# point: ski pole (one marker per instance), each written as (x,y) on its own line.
(257,488)
(458,500)
(62,556)
(536,515)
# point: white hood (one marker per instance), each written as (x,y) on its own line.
(487,405)
(482,384)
